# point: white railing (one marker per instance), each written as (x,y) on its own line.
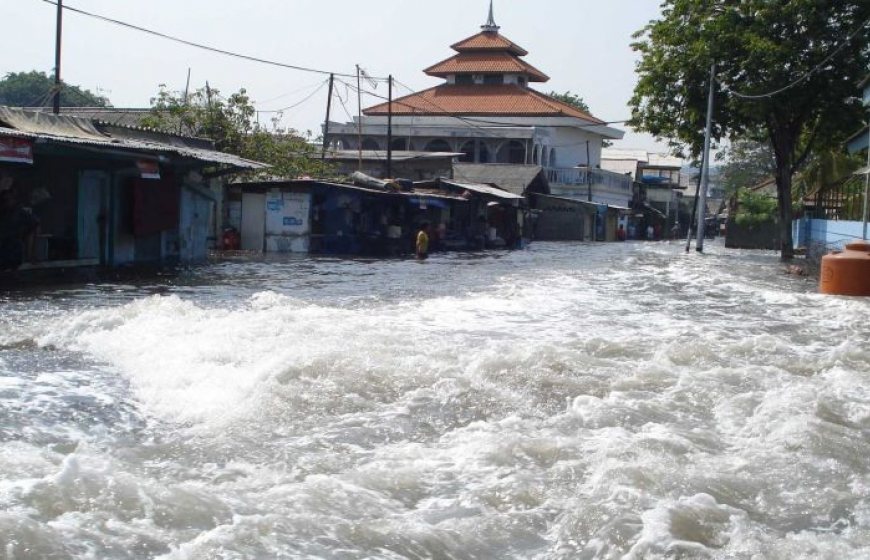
(586,176)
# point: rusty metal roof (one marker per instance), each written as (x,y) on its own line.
(60,129)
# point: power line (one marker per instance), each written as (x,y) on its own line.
(295,91)
(298,103)
(496,123)
(199,45)
(447,113)
(470,121)
(804,77)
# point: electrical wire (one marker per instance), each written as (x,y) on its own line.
(400,103)
(471,121)
(298,103)
(43,99)
(498,123)
(295,91)
(805,76)
(201,46)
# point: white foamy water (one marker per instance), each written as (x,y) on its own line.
(569,401)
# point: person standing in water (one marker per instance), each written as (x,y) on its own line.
(422,245)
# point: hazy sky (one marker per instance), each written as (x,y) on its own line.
(583,45)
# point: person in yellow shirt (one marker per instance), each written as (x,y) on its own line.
(423,241)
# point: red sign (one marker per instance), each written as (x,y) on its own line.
(16,150)
(148,169)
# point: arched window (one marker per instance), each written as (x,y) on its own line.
(516,152)
(552,157)
(438,146)
(400,144)
(467,150)
(536,155)
(513,151)
(545,157)
(483,153)
(370,144)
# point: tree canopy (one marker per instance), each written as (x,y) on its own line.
(812,53)
(232,124)
(571,99)
(35,89)
(746,162)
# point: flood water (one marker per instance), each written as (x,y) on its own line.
(567,401)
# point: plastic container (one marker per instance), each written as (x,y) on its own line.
(847,272)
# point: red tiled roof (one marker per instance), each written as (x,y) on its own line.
(481,100)
(489,42)
(486,63)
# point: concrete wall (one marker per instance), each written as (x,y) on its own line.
(756,236)
(570,148)
(823,236)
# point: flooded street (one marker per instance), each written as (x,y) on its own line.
(568,401)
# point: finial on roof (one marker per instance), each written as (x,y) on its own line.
(490,26)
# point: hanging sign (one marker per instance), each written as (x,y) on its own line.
(17,150)
(148,169)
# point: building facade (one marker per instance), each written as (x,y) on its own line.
(486,110)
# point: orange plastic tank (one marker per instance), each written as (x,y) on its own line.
(847,272)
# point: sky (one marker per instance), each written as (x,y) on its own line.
(583,45)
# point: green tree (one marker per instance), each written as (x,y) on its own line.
(754,208)
(746,162)
(571,99)
(758,47)
(35,89)
(231,123)
(576,101)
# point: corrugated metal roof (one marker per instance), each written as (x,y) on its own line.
(49,124)
(73,130)
(381,155)
(277,183)
(511,177)
(484,189)
(123,116)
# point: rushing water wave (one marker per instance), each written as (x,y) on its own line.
(569,401)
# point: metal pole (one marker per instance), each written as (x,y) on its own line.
(694,212)
(359,119)
(390,129)
(57,45)
(187,97)
(705,168)
(867,187)
(326,125)
(588,175)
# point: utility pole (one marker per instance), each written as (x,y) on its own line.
(359,119)
(705,166)
(57,45)
(186,98)
(588,175)
(326,125)
(390,128)
(694,212)
(867,186)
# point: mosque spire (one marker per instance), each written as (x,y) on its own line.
(490,26)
